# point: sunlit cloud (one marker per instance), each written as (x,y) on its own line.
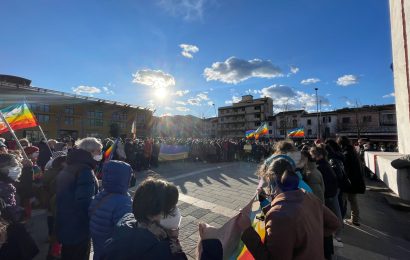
(391,95)
(153,78)
(90,90)
(347,80)
(309,81)
(188,50)
(182,109)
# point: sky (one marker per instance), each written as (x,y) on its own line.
(193,56)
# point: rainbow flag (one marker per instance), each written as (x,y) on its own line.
(242,252)
(18,116)
(168,152)
(262,130)
(297,132)
(249,134)
(109,153)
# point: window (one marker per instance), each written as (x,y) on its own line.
(324,119)
(270,123)
(346,120)
(222,111)
(257,115)
(257,107)
(69,110)
(282,123)
(243,109)
(309,122)
(367,119)
(295,123)
(222,119)
(34,136)
(68,120)
(309,132)
(282,132)
(95,118)
(257,123)
(43,118)
(40,107)
(390,116)
(330,119)
(235,110)
(270,132)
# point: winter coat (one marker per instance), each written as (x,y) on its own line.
(25,184)
(19,244)
(111,204)
(9,210)
(314,179)
(49,182)
(354,171)
(295,225)
(131,242)
(76,185)
(44,155)
(329,178)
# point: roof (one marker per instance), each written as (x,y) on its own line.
(16,83)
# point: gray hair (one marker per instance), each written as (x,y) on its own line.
(89,144)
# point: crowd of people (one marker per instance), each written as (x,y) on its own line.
(304,202)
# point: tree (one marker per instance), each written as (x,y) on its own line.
(115,130)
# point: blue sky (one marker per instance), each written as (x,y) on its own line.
(131,51)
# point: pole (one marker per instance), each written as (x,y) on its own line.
(14,135)
(45,138)
(317,113)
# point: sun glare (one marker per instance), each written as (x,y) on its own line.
(161,93)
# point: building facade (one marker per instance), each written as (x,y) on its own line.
(326,122)
(247,114)
(62,114)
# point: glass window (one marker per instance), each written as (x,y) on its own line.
(309,132)
(243,109)
(367,119)
(257,123)
(257,115)
(257,107)
(270,123)
(43,118)
(294,123)
(282,132)
(69,110)
(309,121)
(270,132)
(346,120)
(69,120)
(330,119)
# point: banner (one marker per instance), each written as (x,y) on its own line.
(249,134)
(262,130)
(169,152)
(297,132)
(18,116)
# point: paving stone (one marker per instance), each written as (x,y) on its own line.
(199,213)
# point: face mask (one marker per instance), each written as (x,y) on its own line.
(172,221)
(15,172)
(98,157)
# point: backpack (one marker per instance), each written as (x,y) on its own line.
(342,179)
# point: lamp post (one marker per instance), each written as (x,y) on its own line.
(317,114)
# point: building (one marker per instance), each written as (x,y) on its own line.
(282,122)
(246,114)
(327,125)
(210,127)
(62,114)
(378,123)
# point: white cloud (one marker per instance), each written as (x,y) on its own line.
(309,81)
(210,103)
(194,101)
(180,102)
(235,70)
(389,95)
(252,92)
(153,78)
(182,109)
(187,9)
(168,108)
(188,50)
(180,93)
(285,97)
(108,91)
(235,99)
(294,69)
(86,90)
(203,96)
(347,80)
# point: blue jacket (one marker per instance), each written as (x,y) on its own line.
(111,204)
(131,242)
(76,185)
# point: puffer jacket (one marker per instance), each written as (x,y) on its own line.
(76,186)
(130,242)
(111,204)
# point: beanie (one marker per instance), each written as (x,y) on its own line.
(31,149)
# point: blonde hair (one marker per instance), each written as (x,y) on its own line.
(283,147)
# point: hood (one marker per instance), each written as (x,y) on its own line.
(80,156)
(116,177)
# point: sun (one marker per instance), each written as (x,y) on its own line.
(161,93)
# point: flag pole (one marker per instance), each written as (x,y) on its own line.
(14,136)
(45,138)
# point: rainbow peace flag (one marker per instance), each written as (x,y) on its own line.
(262,130)
(297,132)
(242,252)
(109,153)
(18,116)
(249,134)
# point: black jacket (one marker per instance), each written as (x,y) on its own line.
(329,178)
(354,170)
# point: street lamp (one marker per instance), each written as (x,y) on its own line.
(317,114)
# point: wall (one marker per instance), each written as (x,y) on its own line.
(400,33)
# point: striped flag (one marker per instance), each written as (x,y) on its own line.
(262,130)
(109,153)
(18,116)
(297,132)
(249,134)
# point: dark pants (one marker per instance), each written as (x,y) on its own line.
(73,252)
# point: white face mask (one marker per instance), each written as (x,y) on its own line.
(98,157)
(15,172)
(172,221)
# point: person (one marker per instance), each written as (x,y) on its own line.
(313,177)
(295,221)
(76,185)
(17,242)
(49,181)
(151,231)
(354,172)
(111,204)
(3,148)
(44,155)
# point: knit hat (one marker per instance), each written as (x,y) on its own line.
(31,149)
